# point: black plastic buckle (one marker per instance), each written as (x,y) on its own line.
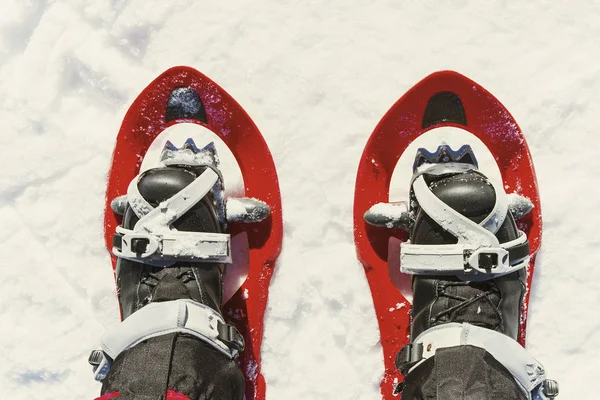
(408,356)
(139,245)
(95,358)
(398,388)
(117,241)
(550,388)
(229,335)
(488,260)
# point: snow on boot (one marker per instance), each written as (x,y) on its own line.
(468,261)
(171,247)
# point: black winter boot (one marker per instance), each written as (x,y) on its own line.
(468,262)
(493,303)
(172,247)
(138,283)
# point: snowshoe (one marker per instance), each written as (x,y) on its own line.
(170,229)
(496,243)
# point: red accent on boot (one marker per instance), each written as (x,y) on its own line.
(173,395)
(108,396)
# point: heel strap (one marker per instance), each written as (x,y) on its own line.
(162,318)
(526,370)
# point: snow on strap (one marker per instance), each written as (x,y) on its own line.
(475,241)
(161,318)
(246,209)
(154,241)
(527,371)
(389,215)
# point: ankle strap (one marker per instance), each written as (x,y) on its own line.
(526,370)
(162,318)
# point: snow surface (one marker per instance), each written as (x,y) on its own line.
(315,77)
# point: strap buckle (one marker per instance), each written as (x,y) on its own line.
(398,388)
(138,244)
(101,363)
(229,335)
(487,260)
(168,246)
(408,356)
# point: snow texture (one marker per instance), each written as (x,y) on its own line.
(316,77)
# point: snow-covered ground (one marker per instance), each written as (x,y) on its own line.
(315,77)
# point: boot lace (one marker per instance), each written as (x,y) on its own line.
(479,294)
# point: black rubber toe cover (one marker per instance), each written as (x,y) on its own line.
(471,195)
(159,184)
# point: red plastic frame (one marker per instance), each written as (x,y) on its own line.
(496,128)
(144,121)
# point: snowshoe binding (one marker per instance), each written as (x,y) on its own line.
(172,234)
(172,248)
(459,234)
(468,261)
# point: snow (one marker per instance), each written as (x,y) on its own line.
(236,209)
(246,209)
(519,205)
(316,77)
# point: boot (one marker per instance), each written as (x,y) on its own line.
(172,246)
(468,260)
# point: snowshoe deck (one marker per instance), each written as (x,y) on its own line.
(442,99)
(182,94)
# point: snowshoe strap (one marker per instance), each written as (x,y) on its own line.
(153,240)
(164,249)
(526,370)
(465,230)
(478,251)
(161,318)
(173,208)
(464,260)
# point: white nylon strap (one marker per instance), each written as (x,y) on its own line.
(170,246)
(172,209)
(161,318)
(526,370)
(465,230)
(474,240)
(164,244)
(461,260)
(496,218)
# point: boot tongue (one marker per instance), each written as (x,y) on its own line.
(482,312)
